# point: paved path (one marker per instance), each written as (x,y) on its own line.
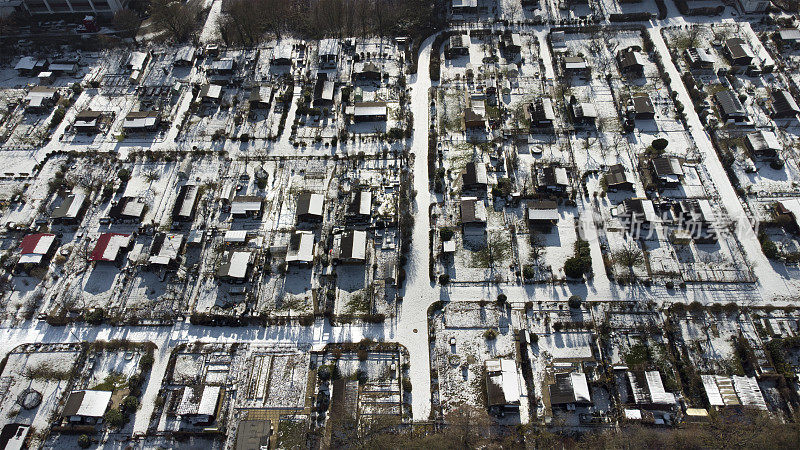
(412,326)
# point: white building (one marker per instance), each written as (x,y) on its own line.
(106,7)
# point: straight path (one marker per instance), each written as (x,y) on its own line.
(770,282)
(419,292)
(210,31)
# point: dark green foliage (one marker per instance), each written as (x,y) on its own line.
(124,175)
(660,144)
(114,418)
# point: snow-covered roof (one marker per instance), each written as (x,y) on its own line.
(641,208)
(70,207)
(701,54)
(37,243)
(35,246)
(28,63)
(712,390)
(705,209)
(738,48)
(62,67)
(353,245)
(748,391)
(668,168)
(585,110)
(369,109)
(575,63)
(208,401)
(211,91)
(301,247)
(543,214)
(633,414)
(35,102)
(137,60)
(730,391)
(763,140)
(132,208)
(236,265)
(365,202)
(472,210)
(18,434)
(198,400)
(310,204)
(542,210)
(580,387)
(327,90)
(188,197)
(140,119)
(246,204)
(108,246)
(195,236)
(87,118)
(169,249)
(261,94)
(475,174)
(31,259)
(502,382)
(656,388)
(791,34)
(558,39)
(222,65)
(510,380)
(561,176)
(235,236)
(38,94)
(185,53)
(283,51)
(87,403)
(569,388)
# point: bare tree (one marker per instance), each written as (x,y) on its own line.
(512,8)
(630,256)
(537,247)
(178,20)
(469,425)
(693,36)
(127,23)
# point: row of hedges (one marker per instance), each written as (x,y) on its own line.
(662,9)
(630,17)
(216,320)
(436,59)
(683,7)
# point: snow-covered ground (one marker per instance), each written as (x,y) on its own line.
(419,292)
(154,182)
